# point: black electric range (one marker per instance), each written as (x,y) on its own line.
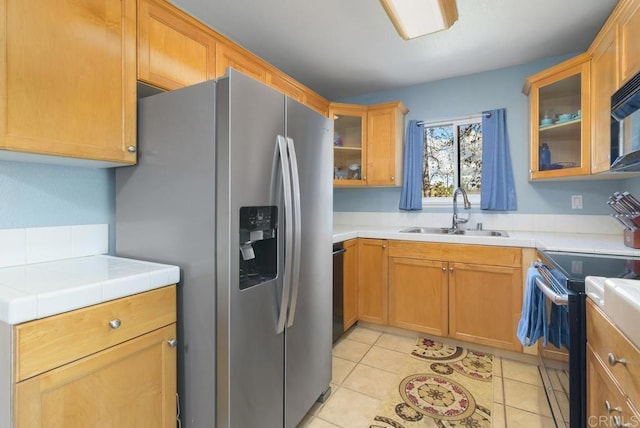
(570,269)
(564,276)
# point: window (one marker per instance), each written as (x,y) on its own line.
(452,158)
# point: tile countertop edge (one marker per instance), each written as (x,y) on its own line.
(136,276)
(572,242)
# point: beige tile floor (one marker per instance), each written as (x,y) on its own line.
(365,363)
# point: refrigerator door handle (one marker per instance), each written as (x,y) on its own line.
(288,220)
(297,234)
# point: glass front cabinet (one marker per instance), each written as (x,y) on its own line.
(367,144)
(349,137)
(559,120)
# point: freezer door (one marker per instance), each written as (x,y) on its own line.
(250,352)
(309,335)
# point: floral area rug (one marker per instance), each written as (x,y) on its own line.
(440,386)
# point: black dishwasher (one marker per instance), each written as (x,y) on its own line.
(338,302)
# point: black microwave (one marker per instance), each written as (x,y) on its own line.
(625,127)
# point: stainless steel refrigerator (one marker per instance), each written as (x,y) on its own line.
(233,184)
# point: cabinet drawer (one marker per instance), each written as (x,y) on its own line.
(607,404)
(463,253)
(605,338)
(47,343)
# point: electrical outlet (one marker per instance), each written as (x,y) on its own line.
(576,202)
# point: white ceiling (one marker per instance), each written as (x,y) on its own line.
(342,48)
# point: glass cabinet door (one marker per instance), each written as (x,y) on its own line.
(559,115)
(349,158)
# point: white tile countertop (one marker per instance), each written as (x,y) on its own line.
(574,242)
(46,271)
(39,290)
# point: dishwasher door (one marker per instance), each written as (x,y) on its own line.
(338,300)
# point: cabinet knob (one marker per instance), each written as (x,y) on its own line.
(115,323)
(364,178)
(450,269)
(613,360)
(131,149)
(444,269)
(172,343)
(384,246)
(609,409)
(392,178)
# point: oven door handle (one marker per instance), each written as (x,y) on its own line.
(557,299)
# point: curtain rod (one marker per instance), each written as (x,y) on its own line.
(456,119)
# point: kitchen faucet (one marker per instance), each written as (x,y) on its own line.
(456,221)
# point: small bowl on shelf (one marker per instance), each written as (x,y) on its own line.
(567,164)
(565,117)
(558,165)
(546,121)
(550,167)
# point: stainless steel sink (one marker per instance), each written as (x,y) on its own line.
(432,230)
(449,231)
(474,232)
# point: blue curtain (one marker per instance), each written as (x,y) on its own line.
(411,194)
(498,192)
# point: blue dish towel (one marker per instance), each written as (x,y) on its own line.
(559,326)
(533,320)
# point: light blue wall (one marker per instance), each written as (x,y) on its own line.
(37,195)
(468,95)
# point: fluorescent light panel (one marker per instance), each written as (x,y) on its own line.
(415,18)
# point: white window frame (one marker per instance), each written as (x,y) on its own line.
(474,199)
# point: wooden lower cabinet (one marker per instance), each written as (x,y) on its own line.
(613,390)
(485,304)
(607,405)
(467,292)
(108,365)
(350,284)
(372,281)
(418,295)
(128,385)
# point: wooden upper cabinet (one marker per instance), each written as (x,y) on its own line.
(385,137)
(286,85)
(228,55)
(316,102)
(629,41)
(368,143)
(604,82)
(67,79)
(177,50)
(560,95)
(349,144)
(174,50)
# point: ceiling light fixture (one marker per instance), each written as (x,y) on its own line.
(415,18)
